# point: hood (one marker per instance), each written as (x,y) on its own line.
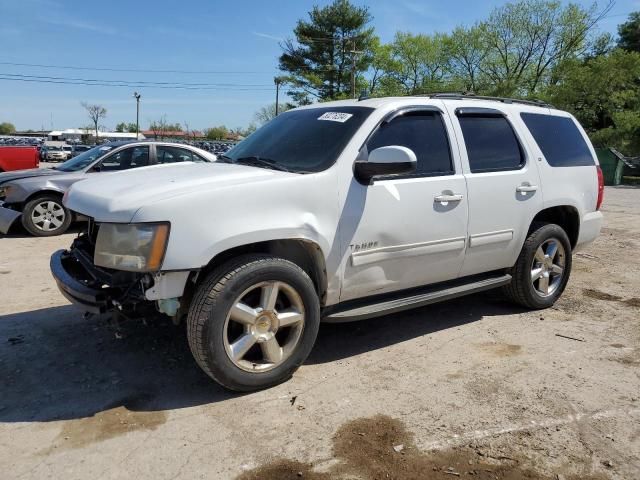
(116,197)
(32,172)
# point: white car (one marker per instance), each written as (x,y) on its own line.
(338,211)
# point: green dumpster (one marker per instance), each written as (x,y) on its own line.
(611,166)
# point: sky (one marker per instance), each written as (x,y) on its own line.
(232,45)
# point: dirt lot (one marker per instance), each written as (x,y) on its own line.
(473,388)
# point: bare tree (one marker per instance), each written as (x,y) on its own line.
(96,113)
(159,127)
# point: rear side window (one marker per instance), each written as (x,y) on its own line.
(422,132)
(561,142)
(491,143)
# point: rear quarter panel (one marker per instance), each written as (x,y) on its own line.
(573,186)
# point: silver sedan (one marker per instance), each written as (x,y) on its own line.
(35,195)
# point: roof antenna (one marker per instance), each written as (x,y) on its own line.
(364,95)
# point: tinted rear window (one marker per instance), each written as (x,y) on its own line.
(561,142)
(492,145)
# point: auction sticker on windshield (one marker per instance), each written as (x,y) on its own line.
(335,116)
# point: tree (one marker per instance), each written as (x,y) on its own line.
(159,127)
(96,113)
(268,112)
(322,59)
(217,133)
(7,128)
(126,127)
(603,92)
(629,33)
(419,62)
(526,40)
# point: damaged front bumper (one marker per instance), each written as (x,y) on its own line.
(7,217)
(94,289)
(99,290)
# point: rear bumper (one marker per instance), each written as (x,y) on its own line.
(589,228)
(7,217)
(73,283)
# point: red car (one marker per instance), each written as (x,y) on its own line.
(18,158)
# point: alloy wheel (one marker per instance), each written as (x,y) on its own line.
(547,267)
(264,326)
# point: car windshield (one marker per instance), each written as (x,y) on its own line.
(84,159)
(307,140)
(55,149)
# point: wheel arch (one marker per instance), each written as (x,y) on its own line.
(305,253)
(566,216)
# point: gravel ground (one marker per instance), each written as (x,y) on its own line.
(473,388)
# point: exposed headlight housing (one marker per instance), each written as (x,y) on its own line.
(131,247)
(4,191)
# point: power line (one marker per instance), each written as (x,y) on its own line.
(140,82)
(128,85)
(131,70)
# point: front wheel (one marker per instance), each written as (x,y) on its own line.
(45,216)
(253,322)
(542,270)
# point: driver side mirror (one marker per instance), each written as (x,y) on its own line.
(391,160)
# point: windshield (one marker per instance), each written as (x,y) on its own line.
(308,140)
(84,159)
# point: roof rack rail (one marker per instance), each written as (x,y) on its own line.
(471,96)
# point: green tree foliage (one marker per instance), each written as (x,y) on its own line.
(217,133)
(629,33)
(7,128)
(126,127)
(319,61)
(603,92)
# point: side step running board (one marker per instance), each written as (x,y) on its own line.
(389,307)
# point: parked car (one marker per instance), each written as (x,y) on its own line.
(338,211)
(18,158)
(55,153)
(35,196)
(78,149)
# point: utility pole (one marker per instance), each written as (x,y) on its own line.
(137,96)
(354,60)
(278,81)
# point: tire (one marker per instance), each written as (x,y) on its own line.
(214,332)
(528,282)
(56,218)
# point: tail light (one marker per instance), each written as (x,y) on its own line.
(600,188)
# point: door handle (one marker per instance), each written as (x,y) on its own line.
(526,188)
(448,198)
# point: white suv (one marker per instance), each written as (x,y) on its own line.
(338,211)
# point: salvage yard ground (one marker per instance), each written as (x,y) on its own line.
(473,388)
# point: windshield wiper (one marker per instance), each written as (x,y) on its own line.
(225,158)
(261,162)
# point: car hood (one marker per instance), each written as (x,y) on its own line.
(32,172)
(116,197)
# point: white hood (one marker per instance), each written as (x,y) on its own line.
(116,197)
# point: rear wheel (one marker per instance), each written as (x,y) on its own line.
(542,270)
(45,216)
(253,322)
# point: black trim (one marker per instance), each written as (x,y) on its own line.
(365,171)
(390,303)
(478,112)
